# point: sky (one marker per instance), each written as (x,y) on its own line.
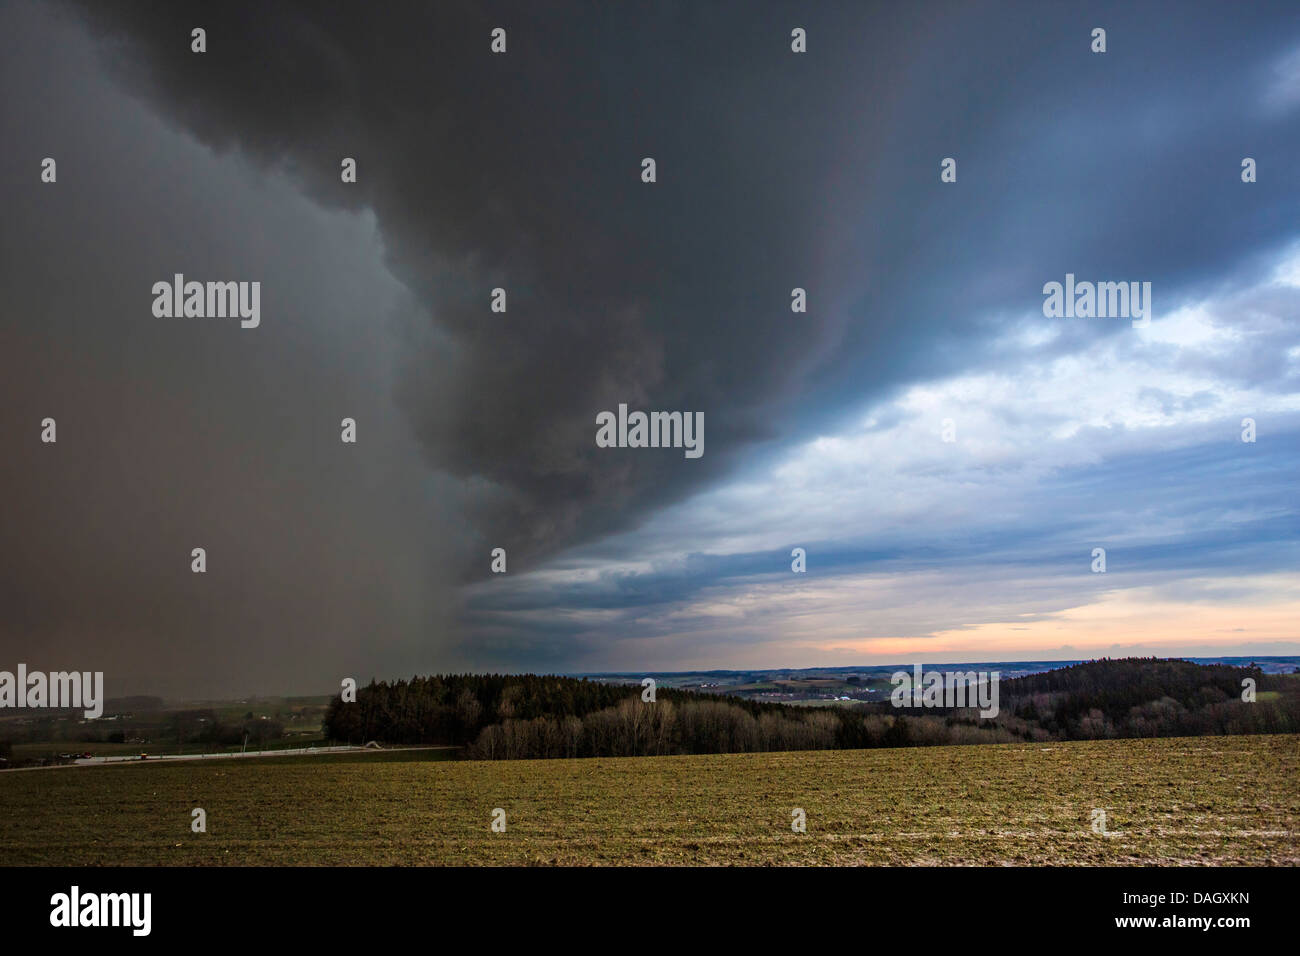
(825,430)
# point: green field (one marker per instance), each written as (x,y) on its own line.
(1221,800)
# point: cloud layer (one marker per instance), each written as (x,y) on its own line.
(522,171)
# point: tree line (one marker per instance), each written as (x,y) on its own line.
(499,716)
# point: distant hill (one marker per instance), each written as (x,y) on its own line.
(1150,697)
(133,705)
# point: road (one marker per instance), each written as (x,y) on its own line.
(153,758)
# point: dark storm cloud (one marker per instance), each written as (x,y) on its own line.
(523,171)
(775,171)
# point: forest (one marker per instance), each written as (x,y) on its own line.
(498,716)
